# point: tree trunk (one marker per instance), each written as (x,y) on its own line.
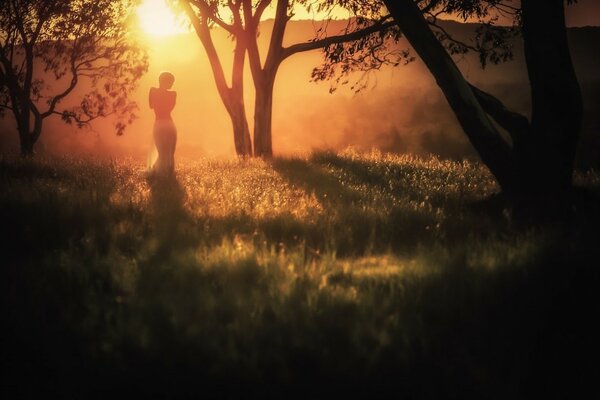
(556,99)
(232,98)
(263,112)
(264,78)
(28,135)
(241,131)
(26,144)
(493,150)
(542,157)
(26,140)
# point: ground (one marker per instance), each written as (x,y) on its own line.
(362,272)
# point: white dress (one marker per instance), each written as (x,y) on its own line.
(165,139)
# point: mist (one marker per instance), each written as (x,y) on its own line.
(401,111)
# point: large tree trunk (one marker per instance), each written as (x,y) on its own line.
(26,144)
(263,115)
(556,99)
(27,138)
(483,135)
(541,159)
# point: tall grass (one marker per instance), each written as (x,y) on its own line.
(362,272)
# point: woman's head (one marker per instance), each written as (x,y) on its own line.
(166,79)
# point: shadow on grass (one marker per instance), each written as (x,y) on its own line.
(235,327)
(112,301)
(313,179)
(173,227)
(375,208)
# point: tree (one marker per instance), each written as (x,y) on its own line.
(264,74)
(203,16)
(49,48)
(244,29)
(539,157)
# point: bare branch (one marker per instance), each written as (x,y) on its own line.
(260,9)
(251,33)
(347,37)
(208,12)
(448,36)
(56,99)
(431,6)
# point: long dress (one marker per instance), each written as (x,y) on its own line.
(164,130)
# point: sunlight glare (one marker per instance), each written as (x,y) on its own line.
(156,18)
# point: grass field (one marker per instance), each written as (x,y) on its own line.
(361,272)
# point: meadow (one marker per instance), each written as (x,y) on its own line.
(320,275)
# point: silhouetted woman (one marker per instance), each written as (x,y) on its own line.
(162,101)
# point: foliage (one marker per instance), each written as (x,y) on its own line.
(360,272)
(50,48)
(372,52)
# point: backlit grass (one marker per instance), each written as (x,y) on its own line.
(360,271)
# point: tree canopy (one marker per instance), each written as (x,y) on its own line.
(538,159)
(49,48)
(368,42)
(537,155)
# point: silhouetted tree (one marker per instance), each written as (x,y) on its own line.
(204,15)
(538,159)
(244,29)
(48,48)
(264,73)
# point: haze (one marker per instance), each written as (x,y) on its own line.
(401,111)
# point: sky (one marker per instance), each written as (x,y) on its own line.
(584,13)
(156,18)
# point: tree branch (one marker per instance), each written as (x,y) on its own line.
(275,45)
(451,38)
(250,33)
(495,152)
(347,37)
(260,8)
(235,11)
(429,7)
(42,17)
(19,24)
(56,99)
(213,57)
(206,10)
(12,84)
(517,125)
(37,122)
(82,121)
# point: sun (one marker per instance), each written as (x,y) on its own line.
(156,18)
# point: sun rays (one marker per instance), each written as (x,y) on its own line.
(157,19)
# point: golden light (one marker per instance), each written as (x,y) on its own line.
(156,18)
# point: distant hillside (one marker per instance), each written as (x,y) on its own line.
(402,111)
